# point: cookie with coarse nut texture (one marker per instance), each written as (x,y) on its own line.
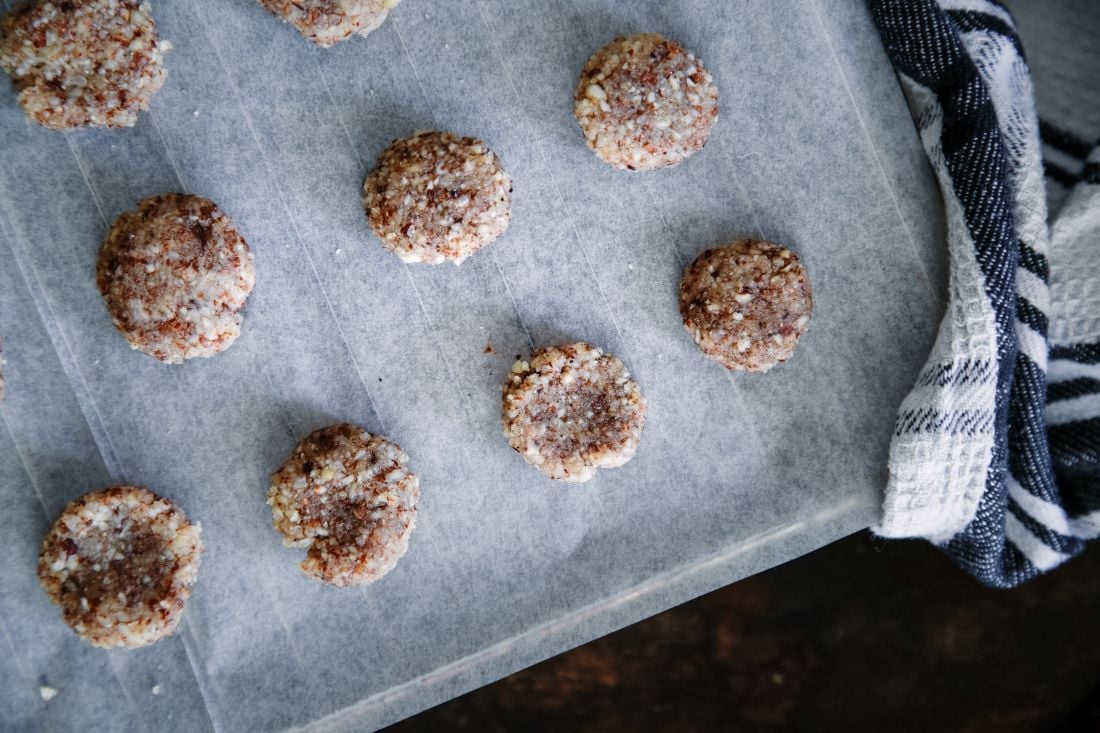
(572,410)
(437,197)
(326,22)
(644,102)
(350,499)
(120,562)
(746,304)
(175,274)
(83,63)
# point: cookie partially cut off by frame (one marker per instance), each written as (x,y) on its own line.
(572,410)
(83,63)
(746,304)
(644,102)
(120,563)
(436,197)
(349,498)
(175,274)
(326,22)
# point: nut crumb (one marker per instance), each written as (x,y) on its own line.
(47,693)
(155,690)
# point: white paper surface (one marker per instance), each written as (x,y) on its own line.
(814,147)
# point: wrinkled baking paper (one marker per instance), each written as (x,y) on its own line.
(814,148)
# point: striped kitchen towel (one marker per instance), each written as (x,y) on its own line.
(996,450)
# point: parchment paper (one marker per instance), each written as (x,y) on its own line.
(814,148)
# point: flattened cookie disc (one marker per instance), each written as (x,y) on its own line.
(437,197)
(350,499)
(83,63)
(175,274)
(326,22)
(644,102)
(572,410)
(120,563)
(746,304)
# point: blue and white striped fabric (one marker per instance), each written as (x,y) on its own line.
(996,452)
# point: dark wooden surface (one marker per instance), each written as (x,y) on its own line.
(861,635)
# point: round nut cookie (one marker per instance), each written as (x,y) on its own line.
(175,274)
(120,562)
(348,497)
(644,102)
(746,304)
(83,63)
(436,196)
(572,410)
(326,22)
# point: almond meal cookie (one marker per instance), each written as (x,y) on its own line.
(326,22)
(83,63)
(120,562)
(347,497)
(644,102)
(572,410)
(746,304)
(435,197)
(175,274)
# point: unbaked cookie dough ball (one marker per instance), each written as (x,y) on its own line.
(83,63)
(435,197)
(349,498)
(175,274)
(644,102)
(120,563)
(746,304)
(572,410)
(326,22)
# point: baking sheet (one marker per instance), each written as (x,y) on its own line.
(814,147)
